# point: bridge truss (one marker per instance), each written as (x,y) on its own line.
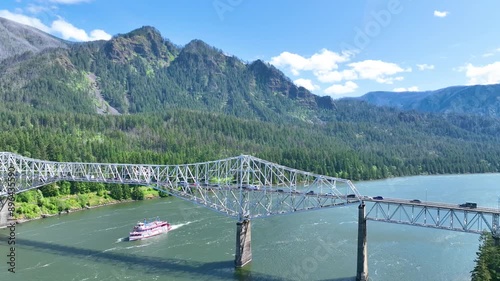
(435,215)
(242,187)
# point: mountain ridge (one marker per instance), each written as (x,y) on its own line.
(481,100)
(18,39)
(141,71)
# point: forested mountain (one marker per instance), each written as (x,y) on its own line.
(139,98)
(142,72)
(476,100)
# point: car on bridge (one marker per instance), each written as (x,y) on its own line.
(378,198)
(415,201)
(250,186)
(468,205)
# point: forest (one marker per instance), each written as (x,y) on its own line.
(488,259)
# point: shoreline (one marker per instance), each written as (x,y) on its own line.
(43,216)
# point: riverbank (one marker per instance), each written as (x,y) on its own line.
(67,212)
(43,216)
(32,205)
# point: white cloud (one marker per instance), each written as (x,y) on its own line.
(377,70)
(323,61)
(491,53)
(69,31)
(36,9)
(69,1)
(425,66)
(99,34)
(339,89)
(306,83)
(58,27)
(440,14)
(488,74)
(34,22)
(336,76)
(324,65)
(409,89)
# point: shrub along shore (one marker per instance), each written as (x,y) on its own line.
(66,197)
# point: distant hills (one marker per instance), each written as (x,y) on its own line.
(481,100)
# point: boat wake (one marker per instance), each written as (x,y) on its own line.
(110,249)
(176,226)
(123,239)
(138,246)
(39,265)
(350,222)
(126,248)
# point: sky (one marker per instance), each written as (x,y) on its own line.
(339,48)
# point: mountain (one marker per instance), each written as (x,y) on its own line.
(140,71)
(18,39)
(481,100)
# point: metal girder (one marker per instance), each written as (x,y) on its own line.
(435,215)
(241,187)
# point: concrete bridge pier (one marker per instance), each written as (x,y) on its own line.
(4,213)
(362,269)
(243,243)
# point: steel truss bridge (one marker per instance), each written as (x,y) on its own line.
(246,187)
(240,187)
(434,215)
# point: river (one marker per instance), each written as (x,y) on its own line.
(316,245)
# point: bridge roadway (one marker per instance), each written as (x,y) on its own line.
(247,187)
(434,215)
(430,204)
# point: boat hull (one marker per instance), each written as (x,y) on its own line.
(143,231)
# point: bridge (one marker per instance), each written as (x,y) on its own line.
(246,188)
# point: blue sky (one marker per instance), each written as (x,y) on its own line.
(337,48)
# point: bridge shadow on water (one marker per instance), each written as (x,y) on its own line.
(220,270)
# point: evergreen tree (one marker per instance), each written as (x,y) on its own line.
(137,193)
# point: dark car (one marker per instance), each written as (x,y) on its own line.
(378,198)
(310,192)
(468,205)
(415,201)
(351,196)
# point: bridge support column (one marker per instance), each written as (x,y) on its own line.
(496,239)
(243,243)
(4,213)
(362,269)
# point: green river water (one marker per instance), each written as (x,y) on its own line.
(316,245)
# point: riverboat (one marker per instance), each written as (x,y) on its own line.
(149,228)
